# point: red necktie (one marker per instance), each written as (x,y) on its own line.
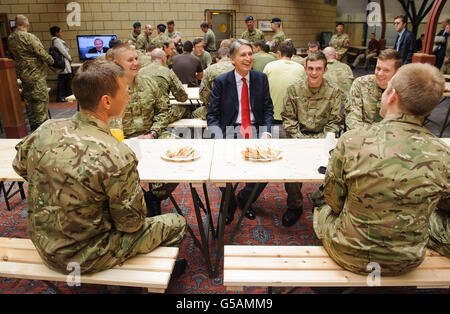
(246,125)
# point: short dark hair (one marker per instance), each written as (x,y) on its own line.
(340,23)
(286,48)
(313,44)
(149,47)
(188,46)
(167,43)
(114,42)
(161,27)
(315,56)
(204,25)
(403,17)
(95,79)
(259,43)
(197,41)
(54,30)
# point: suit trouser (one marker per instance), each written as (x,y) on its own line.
(63,89)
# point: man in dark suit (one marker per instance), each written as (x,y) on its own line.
(240,107)
(406,41)
(99,49)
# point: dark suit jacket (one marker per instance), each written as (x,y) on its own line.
(224,104)
(407,46)
(94,50)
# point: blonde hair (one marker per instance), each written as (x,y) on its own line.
(112,53)
(420,87)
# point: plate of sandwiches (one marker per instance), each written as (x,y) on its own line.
(185,153)
(261,153)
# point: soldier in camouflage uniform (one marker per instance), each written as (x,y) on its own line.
(161,38)
(168,83)
(338,73)
(340,42)
(252,34)
(223,65)
(312,46)
(204,56)
(174,36)
(209,40)
(85,203)
(364,100)
(278,37)
(170,51)
(144,38)
(134,33)
(384,181)
(31,62)
(311,109)
(146,115)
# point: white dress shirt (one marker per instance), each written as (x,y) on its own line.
(239,84)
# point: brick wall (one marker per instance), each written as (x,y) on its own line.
(303,20)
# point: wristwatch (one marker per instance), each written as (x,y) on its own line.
(154,134)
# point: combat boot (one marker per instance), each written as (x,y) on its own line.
(153,204)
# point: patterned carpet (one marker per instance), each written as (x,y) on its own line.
(265,230)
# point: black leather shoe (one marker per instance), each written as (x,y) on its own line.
(250,214)
(61,100)
(231,210)
(291,216)
(179,268)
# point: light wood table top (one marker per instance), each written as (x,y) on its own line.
(152,168)
(300,161)
(7,154)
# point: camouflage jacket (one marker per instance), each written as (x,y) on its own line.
(341,43)
(340,74)
(277,39)
(383,182)
(133,36)
(29,55)
(311,114)
(142,41)
(146,111)
(223,66)
(299,60)
(254,36)
(364,102)
(160,39)
(85,203)
(168,82)
(172,35)
(144,60)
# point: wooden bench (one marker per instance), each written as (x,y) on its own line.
(311,266)
(19,259)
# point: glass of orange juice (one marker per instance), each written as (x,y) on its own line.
(115,126)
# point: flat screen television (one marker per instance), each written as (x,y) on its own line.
(91,46)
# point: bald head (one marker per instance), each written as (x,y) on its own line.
(21,21)
(158,54)
(330,53)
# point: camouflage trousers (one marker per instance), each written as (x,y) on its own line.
(439,230)
(445,69)
(117,247)
(326,224)
(294,195)
(35,95)
(200,113)
(177,112)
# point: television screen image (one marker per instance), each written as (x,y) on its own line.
(91,46)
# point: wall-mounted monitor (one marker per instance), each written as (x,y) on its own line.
(91,46)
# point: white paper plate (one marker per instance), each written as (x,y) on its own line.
(197,156)
(265,159)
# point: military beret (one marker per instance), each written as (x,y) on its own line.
(136,24)
(170,22)
(160,25)
(249,18)
(275,19)
(339,23)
